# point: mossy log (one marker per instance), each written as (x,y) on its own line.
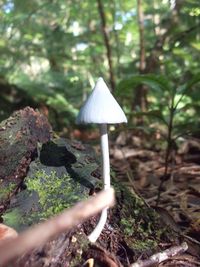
(56,174)
(19,136)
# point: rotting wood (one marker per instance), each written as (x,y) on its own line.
(19,135)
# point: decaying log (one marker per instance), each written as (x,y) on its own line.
(19,136)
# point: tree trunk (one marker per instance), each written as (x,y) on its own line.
(116,38)
(141,32)
(151,64)
(106,42)
(163,35)
(141,91)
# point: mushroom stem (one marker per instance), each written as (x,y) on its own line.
(99,227)
(106,179)
(105,156)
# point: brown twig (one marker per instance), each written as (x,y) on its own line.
(40,234)
(161,256)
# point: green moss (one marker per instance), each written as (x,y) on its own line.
(55,193)
(127,225)
(12,217)
(48,192)
(140,225)
(142,246)
(5,191)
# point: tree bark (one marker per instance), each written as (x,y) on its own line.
(141,91)
(19,136)
(116,37)
(141,33)
(151,63)
(106,42)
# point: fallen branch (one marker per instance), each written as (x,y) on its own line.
(161,256)
(40,234)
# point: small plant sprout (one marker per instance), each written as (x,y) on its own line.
(101,108)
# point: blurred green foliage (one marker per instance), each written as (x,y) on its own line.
(53,51)
(169,106)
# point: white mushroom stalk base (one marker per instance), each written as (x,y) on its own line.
(98,229)
(106,178)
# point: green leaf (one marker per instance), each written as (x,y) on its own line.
(183,89)
(186,89)
(155,82)
(157,113)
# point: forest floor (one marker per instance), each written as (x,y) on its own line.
(140,164)
(138,160)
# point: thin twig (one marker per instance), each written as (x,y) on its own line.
(169,147)
(161,256)
(40,234)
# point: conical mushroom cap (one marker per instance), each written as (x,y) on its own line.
(101,107)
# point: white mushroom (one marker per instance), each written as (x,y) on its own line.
(101,108)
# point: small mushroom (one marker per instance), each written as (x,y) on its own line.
(101,108)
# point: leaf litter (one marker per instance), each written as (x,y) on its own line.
(141,167)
